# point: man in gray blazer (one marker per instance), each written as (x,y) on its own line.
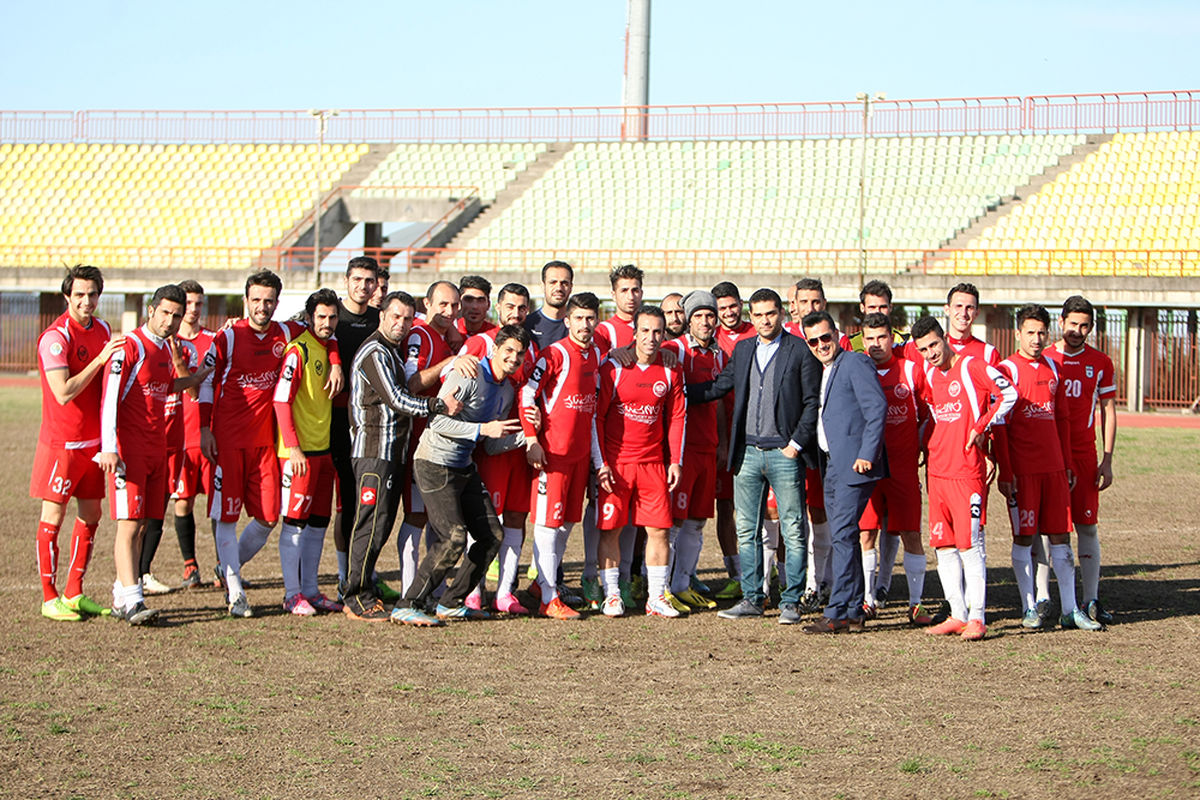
(850,423)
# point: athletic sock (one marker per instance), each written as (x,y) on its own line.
(510,559)
(132,595)
(312,543)
(1022,561)
(560,549)
(591,541)
(822,549)
(154,532)
(83,541)
(1064,572)
(1089,562)
(343,559)
(950,572)
(612,581)
(227,554)
(733,567)
(253,537)
(1041,572)
(47,556)
(628,537)
(687,551)
(974,565)
(770,543)
(889,546)
(545,555)
(289,558)
(185,532)
(914,574)
(672,538)
(408,543)
(656,580)
(870,559)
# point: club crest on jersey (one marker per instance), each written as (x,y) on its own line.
(319,367)
(1053,385)
(901,391)
(82,353)
(955,388)
(1089,371)
(659,388)
(367,496)
(277,349)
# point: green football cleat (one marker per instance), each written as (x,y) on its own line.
(593,595)
(57,610)
(386,593)
(531,574)
(82,604)
(626,594)
(732,590)
(493,570)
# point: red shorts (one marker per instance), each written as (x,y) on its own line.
(814,490)
(695,497)
(1085,497)
(639,497)
(957,512)
(190,472)
(723,485)
(896,498)
(139,490)
(1043,504)
(245,476)
(507,478)
(772,504)
(556,497)
(60,474)
(310,494)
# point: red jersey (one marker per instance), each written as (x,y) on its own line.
(137,382)
(426,347)
(633,403)
(967,346)
(726,338)
(1038,429)
(613,332)
(794,329)
(483,344)
(1088,378)
(699,365)
(194,350)
(487,327)
(236,397)
(68,345)
(564,380)
(903,384)
(966,399)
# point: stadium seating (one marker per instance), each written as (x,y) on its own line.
(487,166)
(118,205)
(1135,193)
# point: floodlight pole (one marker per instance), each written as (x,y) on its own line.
(322,116)
(867,101)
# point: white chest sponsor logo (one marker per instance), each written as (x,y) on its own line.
(644,413)
(262,381)
(1039,410)
(583,403)
(947,412)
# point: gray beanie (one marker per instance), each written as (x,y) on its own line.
(697,300)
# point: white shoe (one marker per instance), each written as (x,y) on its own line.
(152,585)
(660,607)
(613,607)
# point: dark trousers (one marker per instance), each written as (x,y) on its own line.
(844,506)
(339,452)
(377,492)
(457,504)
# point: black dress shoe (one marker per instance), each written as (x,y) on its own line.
(827,625)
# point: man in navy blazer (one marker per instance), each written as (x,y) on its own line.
(850,423)
(774,380)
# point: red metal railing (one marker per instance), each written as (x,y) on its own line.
(1074,113)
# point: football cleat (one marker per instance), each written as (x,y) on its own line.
(919,615)
(240,607)
(1045,612)
(613,607)
(509,604)
(474,600)
(1078,619)
(637,588)
(593,595)
(493,570)
(974,631)
(415,617)
(881,596)
(676,603)
(626,590)
(695,599)
(82,604)
(535,591)
(140,615)
(461,612)
(557,609)
(58,611)
(569,596)
(660,607)
(322,603)
(298,605)
(532,572)
(732,590)
(386,593)
(1032,620)
(376,613)
(1098,612)
(870,611)
(191,576)
(152,585)
(948,627)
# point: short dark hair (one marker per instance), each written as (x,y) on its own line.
(513,332)
(585,300)
(765,296)
(83,272)
(1078,304)
(172,292)
(648,311)
(433,286)
(475,282)
(191,287)
(816,318)
(925,326)
(727,289)
(403,298)
(1033,311)
(321,297)
(512,288)
(963,288)
(810,285)
(264,278)
(362,262)
(558,265)
(877,320)
(383,273)
(875,289)
(625,272)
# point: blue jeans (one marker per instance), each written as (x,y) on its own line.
(760,469)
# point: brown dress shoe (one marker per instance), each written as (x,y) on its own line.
(827,625)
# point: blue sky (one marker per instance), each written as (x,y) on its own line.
(126,54)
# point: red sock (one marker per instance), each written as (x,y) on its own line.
(47,556)
(82,540)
